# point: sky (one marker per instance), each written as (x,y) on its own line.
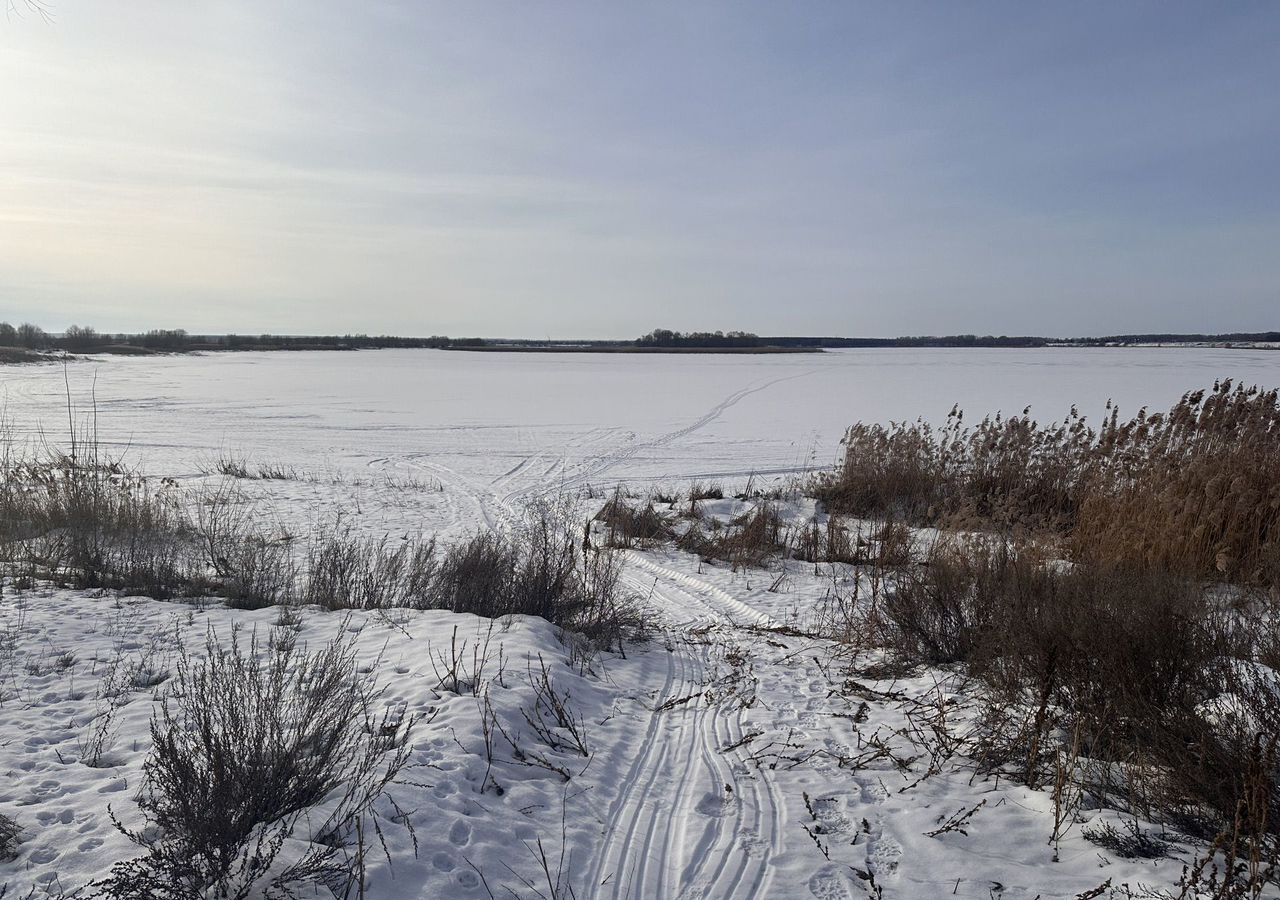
(587,169)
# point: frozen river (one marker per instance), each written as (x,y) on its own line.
(488,428)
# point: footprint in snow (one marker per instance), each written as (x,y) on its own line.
(48,817)
(883,853)
(713,804)
(873,790)
(460,834)
(831,882)
(43,856)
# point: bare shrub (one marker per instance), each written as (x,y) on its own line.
(1155,677)
(474,575)
(539,570)
(246,744)
(1130,843)
(259,572)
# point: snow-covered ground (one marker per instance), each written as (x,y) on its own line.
(439,440)
(727,757)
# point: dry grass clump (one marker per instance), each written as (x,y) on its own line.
(833,543)
(346,572)
(879,545)
(712,490)
(632,526)
(1196,490)
(751,540)
(539,570)
(246,744)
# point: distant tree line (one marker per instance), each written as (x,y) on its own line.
(1233,337)
(661,337)
(85,339)
(952,340)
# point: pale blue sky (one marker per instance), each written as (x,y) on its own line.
(600,169)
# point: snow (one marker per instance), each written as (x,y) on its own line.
(720,750)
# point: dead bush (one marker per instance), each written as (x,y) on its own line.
(539,569)
(347,572)
(245,744)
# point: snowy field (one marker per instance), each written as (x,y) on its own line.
(727,757)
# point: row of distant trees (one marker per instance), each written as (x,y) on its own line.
(84,338)
(32,337)
(662,337)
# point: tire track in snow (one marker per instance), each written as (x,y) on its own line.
(687,823)
(609,461)
(717,600)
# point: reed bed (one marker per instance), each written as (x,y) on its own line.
(1195,490)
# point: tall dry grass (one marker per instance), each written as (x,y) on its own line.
(1195,490)
(78,518)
